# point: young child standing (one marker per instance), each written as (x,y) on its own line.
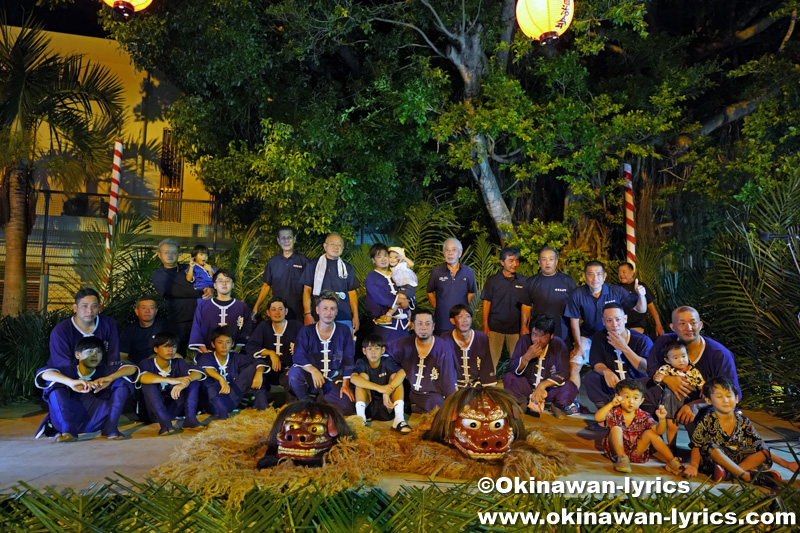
(632,431)
(725,441)
(677,359)
(170,386)
(380,374)
(87,396)
(199,273)
(404,278)
(232,374)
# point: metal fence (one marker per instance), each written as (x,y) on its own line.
(61,219)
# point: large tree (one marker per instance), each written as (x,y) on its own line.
(58,114)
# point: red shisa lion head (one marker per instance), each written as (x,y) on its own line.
(303,432)
(480,423)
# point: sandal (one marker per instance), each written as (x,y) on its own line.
(403,428)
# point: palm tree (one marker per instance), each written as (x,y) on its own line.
(71,105)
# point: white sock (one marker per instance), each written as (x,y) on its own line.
(361,410)
(399,412)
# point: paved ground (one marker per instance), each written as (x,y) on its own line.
(42,463)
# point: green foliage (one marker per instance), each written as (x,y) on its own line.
(24,348)
(245,260)
(124,275)
(133,506)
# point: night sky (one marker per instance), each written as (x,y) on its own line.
(78,18)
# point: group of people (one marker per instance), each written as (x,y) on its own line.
(554,332)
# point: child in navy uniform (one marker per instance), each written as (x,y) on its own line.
(170,386)
(85,397)
(199,273)
(379,374)
(231,373)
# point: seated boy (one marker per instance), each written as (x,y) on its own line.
(632,431)
(382,375)
(85,397)
(677,359)
(231,373)
(170,386)
(724,440)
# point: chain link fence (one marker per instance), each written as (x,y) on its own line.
(62,218)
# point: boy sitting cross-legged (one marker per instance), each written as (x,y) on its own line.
(86,396)
(170,386)
(632,431)
(724,440)
(231,373)
(379,374)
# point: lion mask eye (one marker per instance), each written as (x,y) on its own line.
(316,429)
(470,423)
(497,424)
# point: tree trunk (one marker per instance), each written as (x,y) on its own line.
(15,288)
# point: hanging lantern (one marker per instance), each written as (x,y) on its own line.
(544,20)
(126,8)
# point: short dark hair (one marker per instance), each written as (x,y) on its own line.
(221,331)
(719,381)
(673,345)
(145,298)
(626,264)
(90,343)
(326,295)
(200,248)
(456,310)
(548,249)
(420,311)
(630,384)
(593,264)
(613,305)
(277,299)
(285,228)
(544,322)
(509,250)
(373,339)
(223,272)
(166,338)
(84,292)
(376,248)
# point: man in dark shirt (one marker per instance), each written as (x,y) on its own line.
(136,339)
(503,296)
(282,275)
(450,284)
(636,320)
(548,293)
(179,294)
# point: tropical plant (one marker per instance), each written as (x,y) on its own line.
(123,275)
(24,348)
(77,104)
(750,306)
(246,261)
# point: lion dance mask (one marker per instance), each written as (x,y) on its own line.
(480,423)
(303,433)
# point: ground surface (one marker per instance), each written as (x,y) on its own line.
(43,463)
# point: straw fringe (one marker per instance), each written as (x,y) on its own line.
(221,462)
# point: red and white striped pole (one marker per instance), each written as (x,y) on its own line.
(630,221)
(113,194)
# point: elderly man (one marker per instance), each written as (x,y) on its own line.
(179,294)
(548,292)
(282,275)
(587,303)
(136,339)
(617,353)
(627,280)
(331,273)
(711,358)
(450,284)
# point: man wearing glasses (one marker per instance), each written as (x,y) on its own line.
(282,275)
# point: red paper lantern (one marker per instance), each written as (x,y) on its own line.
(126,8)
(544,20)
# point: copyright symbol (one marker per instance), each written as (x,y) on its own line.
(486,485)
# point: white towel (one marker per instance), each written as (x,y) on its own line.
(319,273)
